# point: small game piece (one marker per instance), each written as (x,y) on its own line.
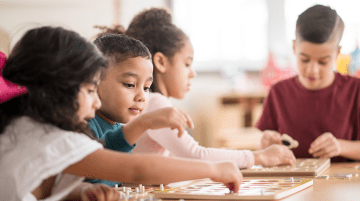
(161,187)
(344,175)
(123,189)
(116,186)
(323,177)
(357,167)
(289,141)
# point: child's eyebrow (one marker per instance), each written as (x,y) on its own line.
(130,74)
(95,83)
(305,55)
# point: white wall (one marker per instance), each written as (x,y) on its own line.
(16,16)
(80,16)
(129,8)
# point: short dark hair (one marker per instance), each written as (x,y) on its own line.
(119,47)
(154,27)
(319,24)
(51,63)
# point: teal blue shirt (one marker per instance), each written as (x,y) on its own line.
(114,140)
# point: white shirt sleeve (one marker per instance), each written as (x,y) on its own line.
(187,147)
(38,152)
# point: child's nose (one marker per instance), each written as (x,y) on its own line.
(313,68)
(141,96)
(97,102)
(192,73)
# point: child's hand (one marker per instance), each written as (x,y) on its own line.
(269,137)
(168,117)
(229,174)
(325,146)
(273,155)
(99,192)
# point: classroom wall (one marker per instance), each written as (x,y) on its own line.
(79,15)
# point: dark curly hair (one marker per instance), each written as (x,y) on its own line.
(154,27)
(116,29)
(319,24)
(52,63)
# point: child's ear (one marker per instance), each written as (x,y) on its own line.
(159,60)
(338,51)
(294,45)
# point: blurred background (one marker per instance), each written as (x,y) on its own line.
(241,48)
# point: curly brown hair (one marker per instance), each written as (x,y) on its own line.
(154,27)
(116,29)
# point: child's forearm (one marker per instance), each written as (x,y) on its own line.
(133,130)
(350,149)
(135,168)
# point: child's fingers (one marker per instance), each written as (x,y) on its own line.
(109,193)
(188,119)
(181,130)
(93,194)
(320,153)
(322,139)
(320,142)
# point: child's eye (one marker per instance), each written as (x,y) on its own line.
(147,88)
(91,91)
(322,63)
(187,65)
(129,85)
(305,61)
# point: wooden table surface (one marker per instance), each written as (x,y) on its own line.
(332,189)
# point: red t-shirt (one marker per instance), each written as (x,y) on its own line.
(306,114)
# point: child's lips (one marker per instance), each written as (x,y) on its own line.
(135,110)
(311,79)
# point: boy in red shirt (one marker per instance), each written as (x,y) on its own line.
(319,107)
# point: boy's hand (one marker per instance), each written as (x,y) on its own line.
(99,192)
(325,146)
(273,155)
(229,174)
(168,117)
(269,137)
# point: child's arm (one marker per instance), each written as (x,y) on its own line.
(162,118)
(87,191)
(328,146)
(274,155)
(268,138)
(152,169)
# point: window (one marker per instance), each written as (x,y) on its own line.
(225,33)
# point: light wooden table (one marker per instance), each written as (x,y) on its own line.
(331,189)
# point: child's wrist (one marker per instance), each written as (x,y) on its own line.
(258,158)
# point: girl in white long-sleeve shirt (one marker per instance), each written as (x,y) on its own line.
(173,54)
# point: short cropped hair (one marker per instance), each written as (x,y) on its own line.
(319,24)
(119,47)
